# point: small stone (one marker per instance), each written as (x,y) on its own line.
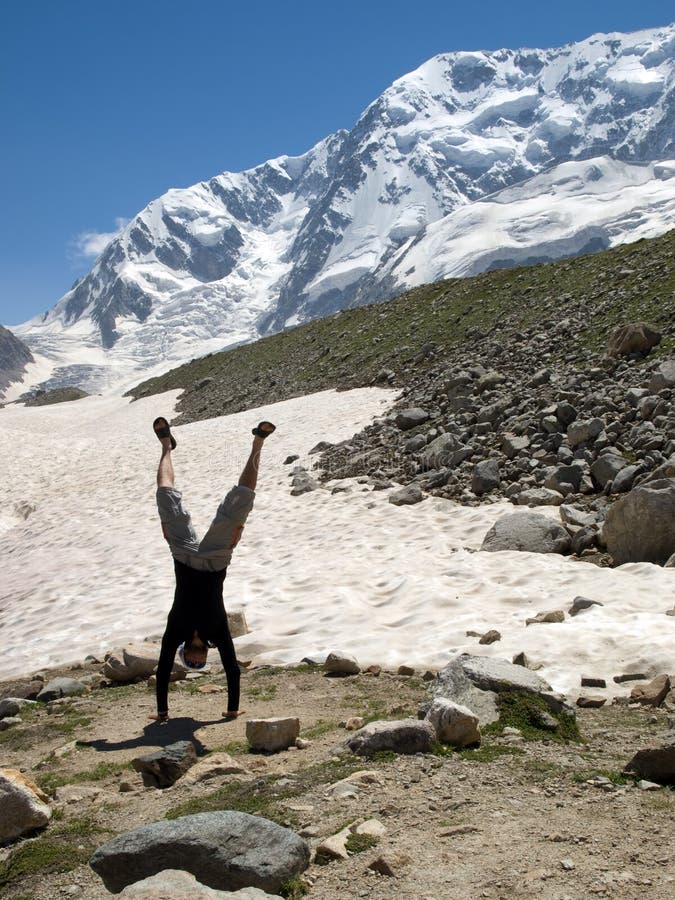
(406,496)
(164,767)
(353,723)
(373,670)
(629,676)
(428,675)
(272,735)
(588,681)
(389,864)
(408,671)
(302,743)
(581,603)
(490,637)
(649,785)
(567,865)
(338,663)
(591,702)
(555,615)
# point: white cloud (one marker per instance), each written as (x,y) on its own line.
(90,244)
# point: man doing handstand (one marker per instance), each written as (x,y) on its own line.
(197,620)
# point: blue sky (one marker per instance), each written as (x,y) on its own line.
(105,106)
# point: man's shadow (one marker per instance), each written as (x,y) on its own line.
(158,735)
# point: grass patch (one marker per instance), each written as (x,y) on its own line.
(615,777)
(50,781)
(488,753)
(264,693)
(234,748)
(319,729)
(265,796)
(383,756)
(63,849)
(293,888)
(527,712)
(359,843)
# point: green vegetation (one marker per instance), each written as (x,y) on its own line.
(293,888)
(265,797)
(359,843)
(488,753)
(50,781)
(614,777)
(319,729)
(352,348)
(529,713)
(383,756)
(62,849)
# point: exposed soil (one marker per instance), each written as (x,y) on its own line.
(514,819)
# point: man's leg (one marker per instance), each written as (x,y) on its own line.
(165,476)
(249,475)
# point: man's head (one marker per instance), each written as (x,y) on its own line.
(193,652)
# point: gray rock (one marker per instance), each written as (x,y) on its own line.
(272,735)
(624,479)
(134,661)
(581,603)
(583,432)
(606,467)
(439,452)
(11,706)
(528,531)
(164,767)
(403,736)
(654,763)
(485,477)
(455,724)
(24,806)
(513,444)
(565,413)
(475,682)
(573,516)
(663,377)
(61,687)
(9,722)
(406,496)
(584,539)
(562,475)
(415,443)
(640,526)
(410,418)
(225,850)
(303,483)
(179,885)
(539,497)
(26,690)
(338,663)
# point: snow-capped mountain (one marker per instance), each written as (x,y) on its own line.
(473,161)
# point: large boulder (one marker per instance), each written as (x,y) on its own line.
(640,526)
(402,736)
(226,850)
(635,337)
(410,418)
(24,806)
(476,681)
(272,735)
(528,531)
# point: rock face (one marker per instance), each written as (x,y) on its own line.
(528,531)
(164,767)
(403,736)
(640,526)
(224,850)
(475,682)
(14,357)
(24,806)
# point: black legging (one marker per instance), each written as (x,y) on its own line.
(177,632)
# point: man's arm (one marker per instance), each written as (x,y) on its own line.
(170,643)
